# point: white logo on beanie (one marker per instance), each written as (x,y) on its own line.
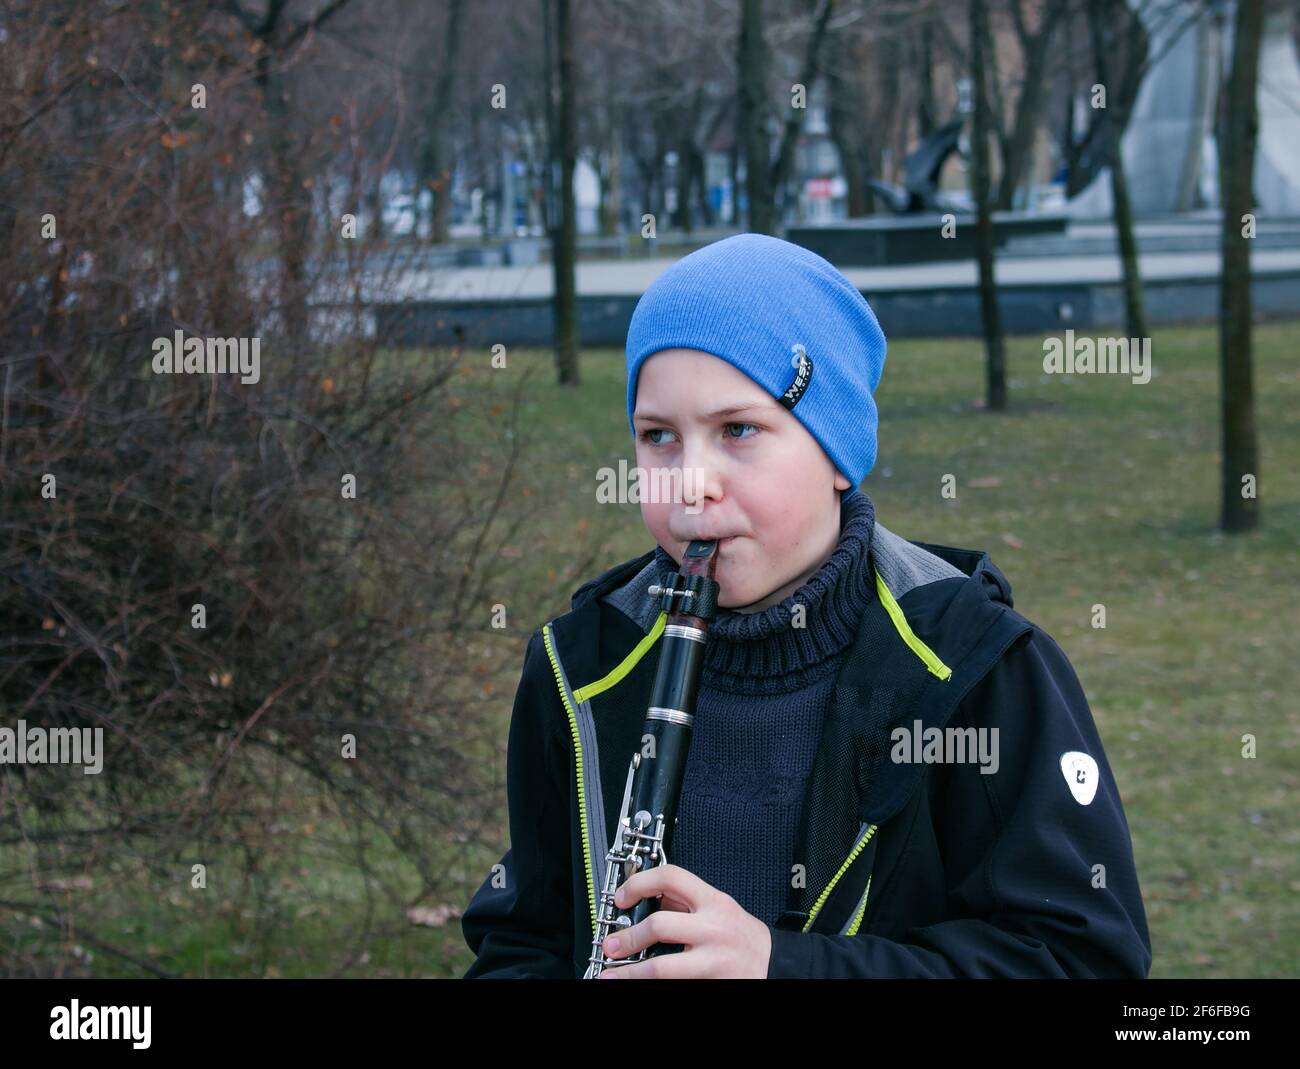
(802,376)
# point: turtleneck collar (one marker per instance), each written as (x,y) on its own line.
(759,651)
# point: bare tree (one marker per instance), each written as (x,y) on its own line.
(808,72)
(1035,46)
(434,172)
(765,174)
(277,35)
(194,581)
(1240,511)
(867,81)
(1101,17)
(752,115)
(1086,152)
(564,228)
(995,366)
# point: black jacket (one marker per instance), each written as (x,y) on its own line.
(913,869)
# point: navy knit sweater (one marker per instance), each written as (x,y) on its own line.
(764,691)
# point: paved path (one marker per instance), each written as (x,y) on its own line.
(621,278)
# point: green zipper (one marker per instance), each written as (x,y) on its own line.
(582,793)
(928,656)
(821,899)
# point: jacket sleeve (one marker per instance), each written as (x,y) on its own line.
(1020,853)
(520,921)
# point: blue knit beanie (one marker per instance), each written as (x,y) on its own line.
(787,319)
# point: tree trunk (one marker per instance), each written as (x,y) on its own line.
(288,184)
(990,313)
(1135,316)
(733,164)
(1240,449)
(376,232)
(439,184)
(293,217)
(926,120)
(687,154)
(707,214)
(784,164)
(752,113)
(565,242)
(845,120)
(1135,320)
(1085,156)
(435,174)
(1019,146)
(611,210)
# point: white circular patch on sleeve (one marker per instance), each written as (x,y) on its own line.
(1081,776)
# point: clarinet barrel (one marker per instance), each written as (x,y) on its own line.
(643,838)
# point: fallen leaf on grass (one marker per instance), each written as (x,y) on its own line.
(431,916)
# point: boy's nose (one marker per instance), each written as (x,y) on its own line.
(700,482)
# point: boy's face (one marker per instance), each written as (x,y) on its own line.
(747,471)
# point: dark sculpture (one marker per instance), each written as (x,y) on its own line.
(920,189)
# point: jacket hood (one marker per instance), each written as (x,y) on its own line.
(978,565)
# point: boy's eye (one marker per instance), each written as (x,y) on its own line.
(646,435)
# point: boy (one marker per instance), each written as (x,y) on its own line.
(891,773)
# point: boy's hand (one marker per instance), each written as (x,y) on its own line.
(720,939)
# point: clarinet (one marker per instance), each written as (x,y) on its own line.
(654,784)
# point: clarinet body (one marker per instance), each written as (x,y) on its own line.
(654,783)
